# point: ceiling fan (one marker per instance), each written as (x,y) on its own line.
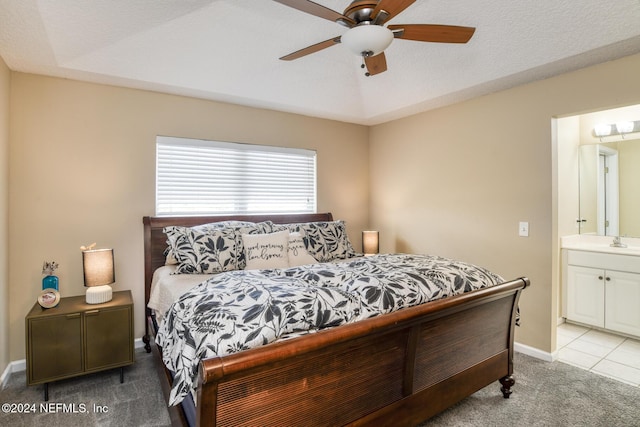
(367,36)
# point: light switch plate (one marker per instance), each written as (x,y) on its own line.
(523,229)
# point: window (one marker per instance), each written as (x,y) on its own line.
(197,177)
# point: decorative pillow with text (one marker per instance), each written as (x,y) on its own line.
(266,251)
(298,254)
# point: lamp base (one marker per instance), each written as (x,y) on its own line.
(99,294)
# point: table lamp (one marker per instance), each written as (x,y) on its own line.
(99,273)
(370,244)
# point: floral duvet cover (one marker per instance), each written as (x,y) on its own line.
(242,309)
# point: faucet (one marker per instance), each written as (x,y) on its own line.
(617,243)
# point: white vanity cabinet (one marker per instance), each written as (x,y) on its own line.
(603,290)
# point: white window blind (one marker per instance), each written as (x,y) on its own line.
(197,177)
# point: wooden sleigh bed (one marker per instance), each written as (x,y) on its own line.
(399,368)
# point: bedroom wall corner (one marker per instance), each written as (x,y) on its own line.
(5,89)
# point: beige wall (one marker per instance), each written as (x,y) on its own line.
(5,79)
(456,181)
(82,171)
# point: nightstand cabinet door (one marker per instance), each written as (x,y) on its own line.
(109,338)
(56,348)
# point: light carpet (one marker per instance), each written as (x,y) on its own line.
(545,394)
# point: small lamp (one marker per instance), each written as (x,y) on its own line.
(370,244)
(99,273)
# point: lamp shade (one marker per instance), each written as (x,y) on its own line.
(98,267)
(367,40)
(370,244)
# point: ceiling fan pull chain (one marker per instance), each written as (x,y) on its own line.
(363,66)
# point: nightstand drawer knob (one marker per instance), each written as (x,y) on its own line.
(92,312)
(73,316)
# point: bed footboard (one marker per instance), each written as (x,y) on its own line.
(396,369)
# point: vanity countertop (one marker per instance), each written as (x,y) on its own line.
(600,244)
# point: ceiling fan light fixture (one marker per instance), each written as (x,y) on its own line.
(367,40)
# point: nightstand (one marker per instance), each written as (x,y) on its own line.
(75,338)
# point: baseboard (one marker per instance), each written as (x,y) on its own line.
(534,352)
(21,365)
(15,366)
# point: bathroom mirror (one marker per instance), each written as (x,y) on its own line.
(610,188)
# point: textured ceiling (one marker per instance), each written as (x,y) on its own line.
(228,50)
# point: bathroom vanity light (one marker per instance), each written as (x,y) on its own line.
(602,130)
(621,128)
(625,127)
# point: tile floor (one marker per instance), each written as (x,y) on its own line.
(606,354)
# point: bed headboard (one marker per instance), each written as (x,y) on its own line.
(155,241)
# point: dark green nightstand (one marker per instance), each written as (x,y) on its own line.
(76,338)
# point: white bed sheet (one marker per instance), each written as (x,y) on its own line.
(167,288)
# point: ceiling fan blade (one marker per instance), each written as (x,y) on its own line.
(311,49)
(391,8)
(433,33)
(319,11)
(376,64)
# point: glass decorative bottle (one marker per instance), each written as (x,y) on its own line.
(50,281)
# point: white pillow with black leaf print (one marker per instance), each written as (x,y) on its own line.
(199,252)
(326,241)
